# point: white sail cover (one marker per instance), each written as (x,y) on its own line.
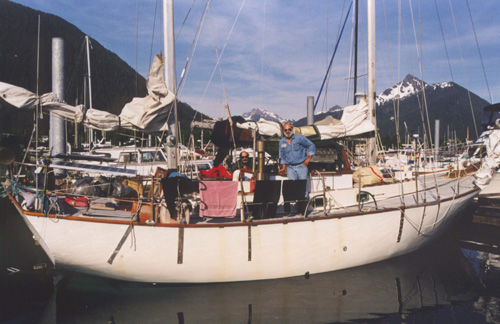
(354,121)
(148,114)
(151,112)
(491,140)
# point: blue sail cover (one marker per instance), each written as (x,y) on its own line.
(491,114)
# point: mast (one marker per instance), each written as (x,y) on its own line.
(57,138)
(91,132)
(170,77)
(371,149)
(356,10)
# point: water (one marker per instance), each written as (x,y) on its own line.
(451,281)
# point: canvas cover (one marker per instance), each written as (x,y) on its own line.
(368,175)
(355,121)
(148,114)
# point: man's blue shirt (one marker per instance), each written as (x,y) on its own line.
(297,151)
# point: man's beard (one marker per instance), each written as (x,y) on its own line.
(288,135)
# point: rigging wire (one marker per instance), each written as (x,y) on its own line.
(463,67)
(444,40)
(479,50)
(329,72)
(423,108)
(153,34)
(333,56)
(189,58)
(185,19)
(352,61)
(136,48)
(217,64)
(396,111)
(74,74)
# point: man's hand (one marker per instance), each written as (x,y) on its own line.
(306,161)
(282,169)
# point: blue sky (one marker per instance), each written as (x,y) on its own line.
(275,53)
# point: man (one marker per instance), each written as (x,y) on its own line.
(296,152)
(244,165)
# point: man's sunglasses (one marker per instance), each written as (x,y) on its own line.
(288,129)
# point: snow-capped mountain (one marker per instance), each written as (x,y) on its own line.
(446,101)
(257,114)
(406,88)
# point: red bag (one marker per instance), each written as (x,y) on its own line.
(77,202)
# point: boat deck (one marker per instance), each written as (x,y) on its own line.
(113,210)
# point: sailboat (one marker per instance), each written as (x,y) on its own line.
(175,235)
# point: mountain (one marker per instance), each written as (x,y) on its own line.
(446,101)
(114,82)
(256,114)
(335,112)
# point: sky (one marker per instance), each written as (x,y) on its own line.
(274,54)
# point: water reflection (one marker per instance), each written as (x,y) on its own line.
(488,270)
(423,283)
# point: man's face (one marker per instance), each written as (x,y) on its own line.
(288,131)
(244,157)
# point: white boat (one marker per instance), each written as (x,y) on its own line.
(146,160)
(144,243)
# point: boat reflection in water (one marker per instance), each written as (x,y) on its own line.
(481,245)
(433,284)
(489,269)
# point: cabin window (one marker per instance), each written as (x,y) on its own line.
(159,157)
(128,157)
(147,157)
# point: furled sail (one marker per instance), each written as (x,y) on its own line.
(355,121)
(149,114)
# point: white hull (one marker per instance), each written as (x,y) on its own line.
(241,251)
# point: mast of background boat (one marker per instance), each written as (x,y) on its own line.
(170,78)
(355,88)
(371,149)
(39,104)
(89,79)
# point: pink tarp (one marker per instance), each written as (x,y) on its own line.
(218,198)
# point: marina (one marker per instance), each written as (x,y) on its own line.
(148,210)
